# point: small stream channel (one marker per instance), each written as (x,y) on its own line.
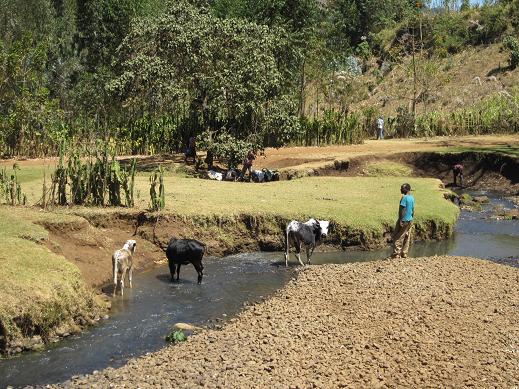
(139,322)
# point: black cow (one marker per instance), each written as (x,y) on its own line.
(183,252)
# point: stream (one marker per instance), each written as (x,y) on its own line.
(141,319)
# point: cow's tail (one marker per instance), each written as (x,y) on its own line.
(287,243)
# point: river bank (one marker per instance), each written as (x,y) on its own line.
(434,321)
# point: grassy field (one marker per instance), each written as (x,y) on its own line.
(39,290)
(356,202)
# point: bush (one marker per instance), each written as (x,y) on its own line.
(512,44)
(227,148)
(176,337)
(91,178)
(405,122)
(10,187)
(494,21)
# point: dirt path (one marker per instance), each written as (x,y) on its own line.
(300,157)
(427,322)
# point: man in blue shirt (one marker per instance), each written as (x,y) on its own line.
(402,234)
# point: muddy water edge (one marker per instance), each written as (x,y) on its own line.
(140,320)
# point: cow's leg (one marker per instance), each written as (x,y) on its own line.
(287,250)
(298,251)
(172,270)
(115,277)
(309,257)
(130,274)
(122,282)
(178,272)
(200,270)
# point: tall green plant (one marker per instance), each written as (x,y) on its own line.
(158,198)
(10,187)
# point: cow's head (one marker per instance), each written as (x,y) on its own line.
(320,228)
(130,245)
(325,225)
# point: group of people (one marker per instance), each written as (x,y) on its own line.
(191,153)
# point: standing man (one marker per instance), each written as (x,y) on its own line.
(380,127)
(191,149)
(247,164)
(457,171)
(402,234)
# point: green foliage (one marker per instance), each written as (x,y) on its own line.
(333,128)
(497,114)
(405,122)
(92,177)
(149,73)
(176,337)
(512,44)
(228,149)
(158,199)
(224,71)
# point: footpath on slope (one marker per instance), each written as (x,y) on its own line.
(419,322)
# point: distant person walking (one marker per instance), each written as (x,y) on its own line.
(457,172)
(402,234)
(380,128)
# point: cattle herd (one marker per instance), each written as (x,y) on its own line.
(185,251)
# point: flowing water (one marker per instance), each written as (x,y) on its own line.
(144,316)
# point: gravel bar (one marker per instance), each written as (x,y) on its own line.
(421,322)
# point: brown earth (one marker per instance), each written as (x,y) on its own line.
(90,248)
(300,157)
(422,322)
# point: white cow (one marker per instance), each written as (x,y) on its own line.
(310,234)
(122,263)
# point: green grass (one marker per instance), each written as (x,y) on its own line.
(509,150)
(358,202)
(387,168)
(39,290)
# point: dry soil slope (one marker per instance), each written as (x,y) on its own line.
(427,322)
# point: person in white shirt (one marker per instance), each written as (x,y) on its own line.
(380,127)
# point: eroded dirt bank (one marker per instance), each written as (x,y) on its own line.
(483,170)
(426,322)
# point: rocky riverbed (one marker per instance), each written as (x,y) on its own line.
(420,322)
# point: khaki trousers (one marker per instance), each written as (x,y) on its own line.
(402,239)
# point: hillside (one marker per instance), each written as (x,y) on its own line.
(457,81)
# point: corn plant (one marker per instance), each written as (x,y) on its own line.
(10,187)
(93,179)
(158,199)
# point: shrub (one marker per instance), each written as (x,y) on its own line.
(91,177)
(176,337)
(158,199)
(512,44)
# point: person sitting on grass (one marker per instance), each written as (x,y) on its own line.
(247,164)
(457,171)
(402,234)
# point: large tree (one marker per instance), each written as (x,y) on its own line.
(223,73)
